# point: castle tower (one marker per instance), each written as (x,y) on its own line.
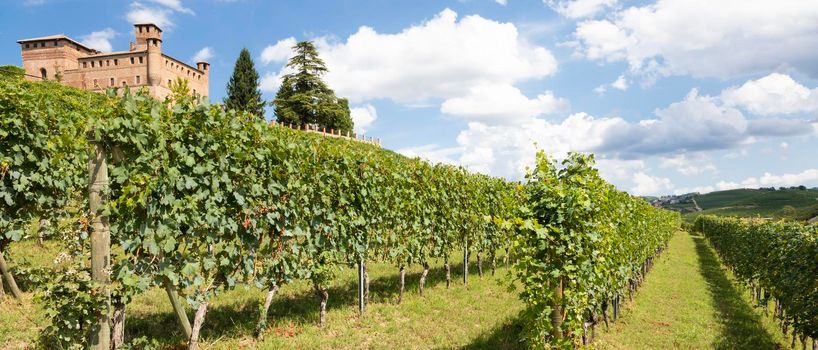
(203,66)
(149,37)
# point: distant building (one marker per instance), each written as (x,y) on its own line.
(143,64)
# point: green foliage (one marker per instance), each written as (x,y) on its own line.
(43,153)
(778,256)
(579,234)
(242,89)
(72,303)
(304,98)
(9,71)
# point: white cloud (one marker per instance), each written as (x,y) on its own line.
(271,81)
(694,124)
(619,171)
(678,134)
(706,38)
(514,145)
(432,153)
(650,185)
(699,189)
(689,164)
(280,52)
(697,123)
(621,83)
(139,13)
(501,2)
(579,8)
(773,94)
(363,117)
(501,104)
(203,55)
(100,40)
(806,177)
(444,57)
(175,5)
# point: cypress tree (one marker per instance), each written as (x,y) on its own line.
(242,89)
(304,98)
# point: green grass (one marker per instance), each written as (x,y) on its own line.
(779,204)
(690,301)
(482,315)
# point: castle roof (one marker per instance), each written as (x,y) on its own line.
(148,24)
(185,64)
(112,53)
(56,37)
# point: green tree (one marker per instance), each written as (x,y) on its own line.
(306,99)
(242,89)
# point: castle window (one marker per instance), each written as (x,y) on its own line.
(55,42)
(166,63)
(131,60)
(112,81)
(140,59)
(194,91)
(140,29)
(26,45)
(108,63)
(116,61)
(124,83)
(100,63)
(84,64)
(92,64)
(95,83)
(43,74)
(138,80)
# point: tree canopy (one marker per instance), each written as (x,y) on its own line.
(304,98)
(242,89)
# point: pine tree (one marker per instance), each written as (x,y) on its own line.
(242,89)
(306,99)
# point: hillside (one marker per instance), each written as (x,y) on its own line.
(792,203)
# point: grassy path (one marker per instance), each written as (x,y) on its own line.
(689,301)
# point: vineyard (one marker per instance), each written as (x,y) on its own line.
(778,261)
(199,201)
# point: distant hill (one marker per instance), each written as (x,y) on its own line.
(791,203)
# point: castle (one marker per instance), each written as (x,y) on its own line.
(58,57)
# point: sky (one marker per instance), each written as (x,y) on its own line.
(672,96)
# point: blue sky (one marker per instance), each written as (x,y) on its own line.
(671,95)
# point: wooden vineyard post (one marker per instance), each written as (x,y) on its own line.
(556,311)
(178,308)
(100,338)
(466,263)
(363,292)
(361,303)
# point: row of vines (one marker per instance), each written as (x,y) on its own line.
(777,259)
(200,200)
